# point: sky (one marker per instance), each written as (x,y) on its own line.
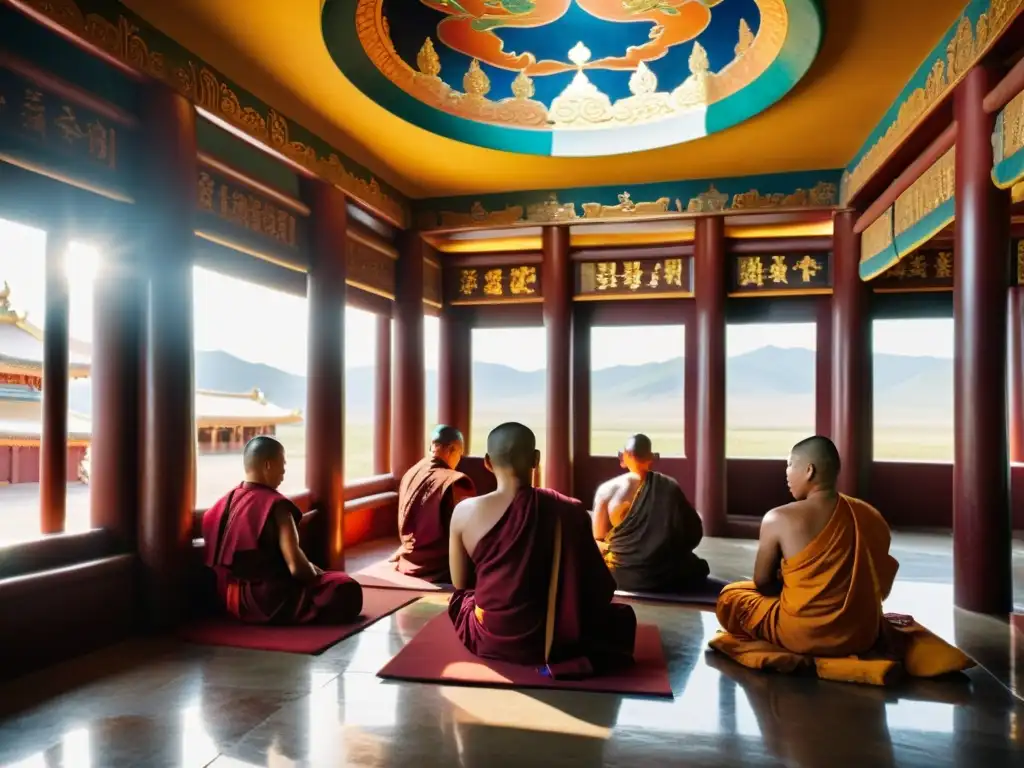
(219,323)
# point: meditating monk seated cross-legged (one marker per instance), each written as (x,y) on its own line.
(823,569)
(531,586)
(646,527)
(252,546)
(427,496)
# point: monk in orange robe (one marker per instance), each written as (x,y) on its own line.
(427,496)
(252,546)
(531,587)
(823,569)
(647,528)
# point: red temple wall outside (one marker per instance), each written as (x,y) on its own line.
(20,463)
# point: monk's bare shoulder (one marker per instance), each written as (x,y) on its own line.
(781,516)
(464,510)
(610,488)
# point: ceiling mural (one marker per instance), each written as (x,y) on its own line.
(573,77)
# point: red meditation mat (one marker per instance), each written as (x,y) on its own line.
(385,575)
(436,655)
(311,639)
(706,594)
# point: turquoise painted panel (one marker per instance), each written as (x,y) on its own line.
(1008,170)
(924,230)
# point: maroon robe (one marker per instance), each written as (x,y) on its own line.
(426,497)
(253,581)
(505,616)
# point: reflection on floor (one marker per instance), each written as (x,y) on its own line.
(156,702)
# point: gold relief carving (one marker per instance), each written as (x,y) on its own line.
(934,187)
(368,268)
(478,215)
(877,237)
(33,113)
(674,272)
(636,279)
(520,279)
(581,104)
(492,282)
(966,47)
(606,276)
(625,208)
(1012,128)
(808,268)
(708,202)
(655,276)
(922,265)
(245,210)
(822,194)
(632,275)
(199,84)
(944,265)
(778,271)
(551,210)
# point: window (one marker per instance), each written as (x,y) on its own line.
(431,351)
(249,381)
(509,383)
(636,385)
(22,309)
(769,374)
(82,262)
(913,389)
(360,389)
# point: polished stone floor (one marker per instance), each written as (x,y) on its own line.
(156,702)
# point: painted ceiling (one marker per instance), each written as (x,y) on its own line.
(573,77)
(278,51)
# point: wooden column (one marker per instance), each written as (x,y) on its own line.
(325,383)
(1015,330)
(581,383)
(166,207)
(382,399)
(118,322)
(53,447)
(408,440)
(981,477)
(709,292)
(455,372)
(556,456)
(851,359)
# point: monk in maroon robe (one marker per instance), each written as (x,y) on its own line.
(427,496)
(531,586)
(252,546)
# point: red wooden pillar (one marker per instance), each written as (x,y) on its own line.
(53,449)
(556,457)
(851,359)
(1016,373)
(167,184)
(455,372)
(382,399)
(709,292)
(118,322)
(408,441)
(325,383)
(981,477)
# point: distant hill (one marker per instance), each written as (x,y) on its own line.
(769,386)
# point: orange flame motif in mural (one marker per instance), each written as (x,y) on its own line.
(675,22)
(471,28)
(471,24)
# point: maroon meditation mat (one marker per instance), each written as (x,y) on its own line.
(309,638)
(706,594)
(384,575)
(436,655)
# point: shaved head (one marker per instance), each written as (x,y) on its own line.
(821,453)
(259,451)
(445,435)
(512,446)
(640,446)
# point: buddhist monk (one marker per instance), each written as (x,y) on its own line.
(426,497)
(646,527)
(531,586)
(252,545)
(822,570)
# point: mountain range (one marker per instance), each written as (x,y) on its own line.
(766,387)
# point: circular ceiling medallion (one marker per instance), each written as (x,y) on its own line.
(573,78)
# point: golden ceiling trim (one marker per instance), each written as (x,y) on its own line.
(511,244)
(633,296)
(968,45)
(623,239)
(581,105)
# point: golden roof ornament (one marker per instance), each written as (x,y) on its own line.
(475,82)
(746,38)
(427,59)
(522,86)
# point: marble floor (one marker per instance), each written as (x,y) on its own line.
(157,702)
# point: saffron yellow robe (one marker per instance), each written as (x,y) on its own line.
(829,614)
